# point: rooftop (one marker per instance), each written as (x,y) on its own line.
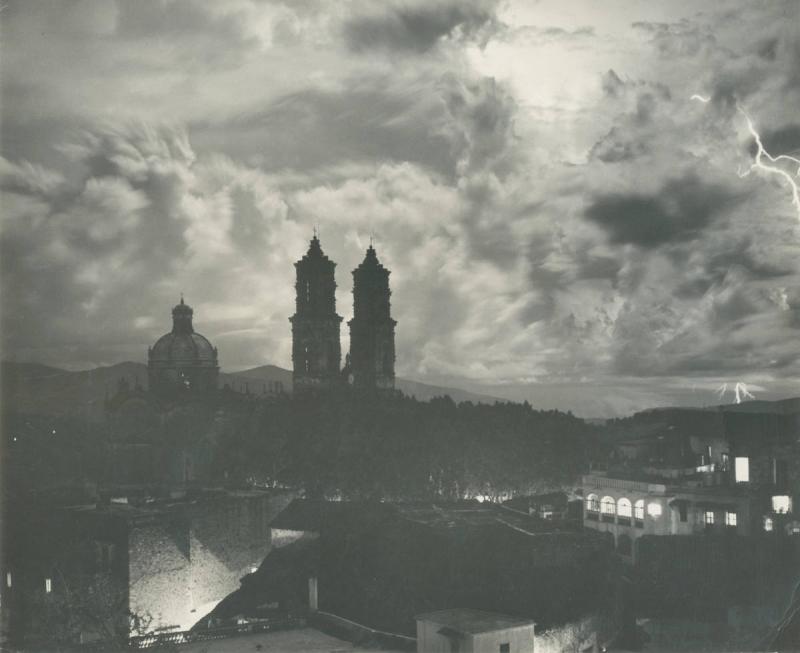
(472,622)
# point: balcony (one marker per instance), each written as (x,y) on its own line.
(607,518)
(592,516)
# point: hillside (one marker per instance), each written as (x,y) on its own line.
(34,388)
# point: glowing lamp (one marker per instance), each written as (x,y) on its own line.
(654,509)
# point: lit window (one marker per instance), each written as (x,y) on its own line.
(593,503)
(742,469)
(782,504)
(608,506)
(794,528)
(730,518)
(768,524)
(624,508)
(8,579)
(654,510)
(709,517)
(48,585)
(725,462)
(638,509)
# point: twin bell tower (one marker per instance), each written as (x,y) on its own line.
(316,348)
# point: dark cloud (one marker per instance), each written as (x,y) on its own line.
(369,119)
(419,28)
(684,38)
(679,211)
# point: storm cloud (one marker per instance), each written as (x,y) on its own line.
(561,220)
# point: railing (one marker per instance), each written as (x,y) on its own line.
(186,636)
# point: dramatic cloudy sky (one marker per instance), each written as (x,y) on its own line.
(563,223)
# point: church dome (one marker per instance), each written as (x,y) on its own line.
(182,358)
(190,348)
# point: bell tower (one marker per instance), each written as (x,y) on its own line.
(372,327)
(316,349)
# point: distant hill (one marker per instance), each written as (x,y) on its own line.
(254,380)
(35,388)
(753,417)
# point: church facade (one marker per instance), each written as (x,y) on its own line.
(316,349)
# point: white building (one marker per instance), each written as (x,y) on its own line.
(628,507)
(473,631)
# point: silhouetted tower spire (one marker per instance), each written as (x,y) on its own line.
(372,327)
(316,349)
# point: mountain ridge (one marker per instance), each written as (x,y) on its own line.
(37,388)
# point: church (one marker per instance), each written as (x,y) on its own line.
(184,365)
(316,348)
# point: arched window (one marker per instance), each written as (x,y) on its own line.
(624,508)
(638,509)
(593,503)
(608,506)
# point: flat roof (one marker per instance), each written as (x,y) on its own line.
(472,622)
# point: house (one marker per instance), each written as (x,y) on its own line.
(629,505)
(462,630)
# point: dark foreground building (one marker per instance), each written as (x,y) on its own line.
(78,572)
(382,565)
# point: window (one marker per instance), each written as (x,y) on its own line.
(505,648)
(608,506)
(726,462)
(8,579)
(708,517)
(742,470)
(654,509)
(593,503)
(782,504)
(624,508)
(730,518)
(638,509)
(768,524)
(794,528)
(48,585)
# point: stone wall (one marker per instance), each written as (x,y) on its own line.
(183,563)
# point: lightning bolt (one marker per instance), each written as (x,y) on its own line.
(763,160)
(745,393)
(770,167)
(740,391)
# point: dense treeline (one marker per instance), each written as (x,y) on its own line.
(369,447)
(332,445)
